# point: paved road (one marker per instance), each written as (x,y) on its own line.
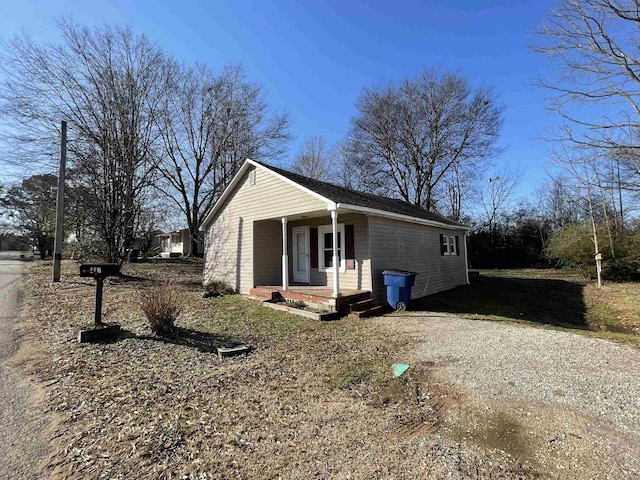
(21,446)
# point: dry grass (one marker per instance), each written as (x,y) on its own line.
(615,305)
(313,400)
(547,298)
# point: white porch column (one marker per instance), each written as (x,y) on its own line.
(466,261)
(285,256)
(336,259)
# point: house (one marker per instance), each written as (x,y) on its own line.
(176,244)
(273,229)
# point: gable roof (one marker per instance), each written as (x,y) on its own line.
(342,197)
(347,196)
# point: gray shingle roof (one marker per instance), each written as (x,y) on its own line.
(339,194)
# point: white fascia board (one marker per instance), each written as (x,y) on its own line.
(404,218)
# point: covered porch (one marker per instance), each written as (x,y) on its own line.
(317,254)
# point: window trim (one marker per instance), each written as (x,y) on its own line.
(452,245)
(322,229)
(449,245)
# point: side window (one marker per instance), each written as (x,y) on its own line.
(444,244)
(449,245)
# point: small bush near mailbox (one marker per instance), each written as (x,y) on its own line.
(162,306)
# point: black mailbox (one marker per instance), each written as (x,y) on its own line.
(99,270)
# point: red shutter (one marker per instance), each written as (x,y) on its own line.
(442,252)
(457,246)
(349,247)
(313,247)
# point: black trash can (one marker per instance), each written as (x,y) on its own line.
(399,283)
(132,256)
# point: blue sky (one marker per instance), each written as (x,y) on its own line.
(314,58)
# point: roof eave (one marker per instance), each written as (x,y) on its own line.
(399,216)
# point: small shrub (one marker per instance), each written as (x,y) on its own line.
(162,306)
(217,288)
(619,270)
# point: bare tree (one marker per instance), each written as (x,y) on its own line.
(585,189)
(555,202)
(351,170)
(314,161)
(594,44)
(3,198)
(497,194)
(457,188)
(410,135)
(210,124)
(108,83)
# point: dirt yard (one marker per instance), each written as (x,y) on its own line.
(313,400)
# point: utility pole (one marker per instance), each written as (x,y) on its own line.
(57,247)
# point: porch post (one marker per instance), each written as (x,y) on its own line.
(466,261)
(285,256)
(336,259)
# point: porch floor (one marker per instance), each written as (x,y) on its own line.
(312,290)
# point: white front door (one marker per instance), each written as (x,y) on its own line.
(301,254)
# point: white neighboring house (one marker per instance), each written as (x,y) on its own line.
(176,244)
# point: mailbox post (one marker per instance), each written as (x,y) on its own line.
(99,271)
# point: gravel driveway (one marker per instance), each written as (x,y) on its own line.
(568,403)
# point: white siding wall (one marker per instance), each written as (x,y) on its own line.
(230,240)
(267,262)
(412,247)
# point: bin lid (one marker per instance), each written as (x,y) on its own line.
(399,272)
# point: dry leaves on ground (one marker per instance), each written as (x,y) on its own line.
(313,400)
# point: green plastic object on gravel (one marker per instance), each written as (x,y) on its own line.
(399,369)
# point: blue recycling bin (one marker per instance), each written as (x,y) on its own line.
(399,283)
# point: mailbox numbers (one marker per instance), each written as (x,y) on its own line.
(99,270)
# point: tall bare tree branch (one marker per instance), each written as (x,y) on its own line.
(410,135)
(109,84)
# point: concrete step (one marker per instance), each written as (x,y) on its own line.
(369,312)
(360,305)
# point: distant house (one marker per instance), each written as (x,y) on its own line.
(176,244)
(273,229)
